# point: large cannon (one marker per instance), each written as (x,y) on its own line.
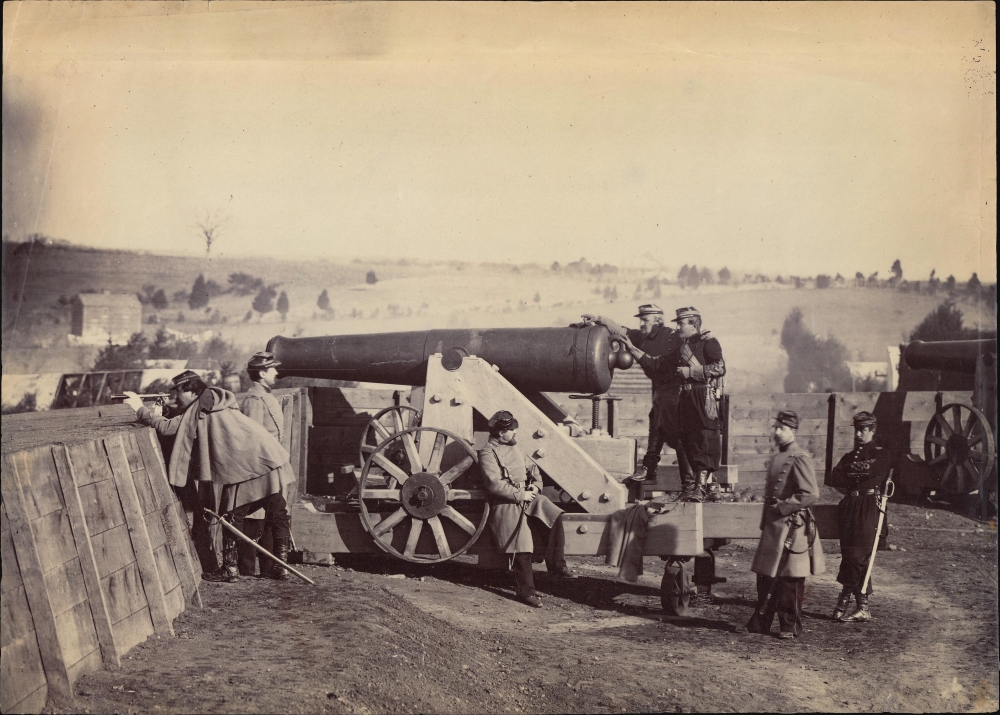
(960,440)
(532,359)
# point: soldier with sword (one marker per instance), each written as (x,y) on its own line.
(862,476)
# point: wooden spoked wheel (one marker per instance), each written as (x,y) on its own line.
(675,588)
(423,494)
(387,422)
(959,446)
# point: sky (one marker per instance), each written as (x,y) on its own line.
(793,138)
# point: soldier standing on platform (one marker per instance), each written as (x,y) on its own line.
(789,547)
(655,339)
(261,406)
(515,494)
(689,374)
(861,477)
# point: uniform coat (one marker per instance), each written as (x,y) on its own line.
(260,405)
(505,477)
(229,449)
(867,467)
(791,481)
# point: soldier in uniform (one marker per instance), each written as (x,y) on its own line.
(514,495)
(789,547)
(860,476)
(688,404)
(261,406)
(655,339)
(217,444)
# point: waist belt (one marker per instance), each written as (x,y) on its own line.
(862,492)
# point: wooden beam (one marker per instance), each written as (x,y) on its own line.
(85,550)
(56,673)
(141,544)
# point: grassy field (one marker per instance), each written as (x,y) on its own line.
(418,296)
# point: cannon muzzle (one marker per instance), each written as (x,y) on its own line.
(951,355)
(533,359)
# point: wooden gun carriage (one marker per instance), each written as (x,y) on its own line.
(414,491)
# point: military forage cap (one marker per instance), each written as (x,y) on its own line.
(184,378)
(787,418)
(689,312)
(502,421)
(864,419)
(262,361)
(649,309)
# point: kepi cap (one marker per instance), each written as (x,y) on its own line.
(649,309)
(502,421)
(864,419)
(788,418)
(184,378)
(688,312)
(262,361)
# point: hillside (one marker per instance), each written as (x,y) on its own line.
(419,296)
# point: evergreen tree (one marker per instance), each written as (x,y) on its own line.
(264,302)
(199,294)
(725,276)
(283,305)
(323,303)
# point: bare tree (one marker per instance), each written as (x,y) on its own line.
(210,227)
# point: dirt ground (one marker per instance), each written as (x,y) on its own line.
(381,636)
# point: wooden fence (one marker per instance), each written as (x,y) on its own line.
(96,554)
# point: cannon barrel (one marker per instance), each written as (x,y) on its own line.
(574,359)
(950,355)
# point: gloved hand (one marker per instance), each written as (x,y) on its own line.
(529,495)
(132,400)
(684,372)
(591,318)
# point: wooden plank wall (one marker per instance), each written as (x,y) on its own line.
(96,557)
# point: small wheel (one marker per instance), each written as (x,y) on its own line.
(385,423)
(434,460)
(959,445)
(675,589)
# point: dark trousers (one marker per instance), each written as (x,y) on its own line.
(555,555)
(254,529)
(699,437)
(275,516)
(664,429)
(786,601)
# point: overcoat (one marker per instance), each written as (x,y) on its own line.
(791,488)
(505,477)
(229,448)
(263,407)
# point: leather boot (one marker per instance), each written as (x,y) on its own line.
(281,551)
(861,613)
(694,490)
(713,492)
(229,571)
(843,603)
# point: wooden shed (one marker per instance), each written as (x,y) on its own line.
(100,315)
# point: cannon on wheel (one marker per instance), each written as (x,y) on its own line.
(960,439)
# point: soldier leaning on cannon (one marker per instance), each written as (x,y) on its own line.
(216,443)
(514,495)
(861,477)
(789,547)
(262,407)
(689,373)
(656,339)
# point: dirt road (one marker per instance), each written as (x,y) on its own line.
(380,636)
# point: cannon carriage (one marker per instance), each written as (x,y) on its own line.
(415,492)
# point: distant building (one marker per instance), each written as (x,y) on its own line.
(100,316)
